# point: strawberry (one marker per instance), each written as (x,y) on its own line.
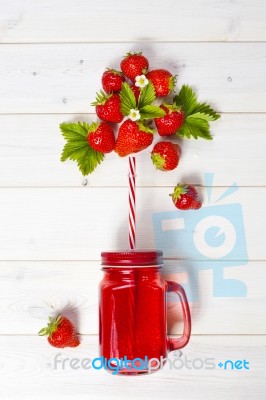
(136,91)
(163,81)
(165,155)
(101,137)
(171,122)
(108,107)
(61,332)
(134,64)
(112,80)
(132,138)
(185,197)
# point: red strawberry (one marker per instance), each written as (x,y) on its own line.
(185,197)
(74,342)
(61,332)
(134,64)
(101,137)
(165,155)
(112,80)
(163,81)
(171,122)
(132,138)
(108,107)
(136,90)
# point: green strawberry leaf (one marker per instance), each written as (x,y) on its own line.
(204,108)
(77,147)
(86,158)
(200,115)
(196,128)
(149,112)
(147,95)
(186,99)
(74,130)
(128,100)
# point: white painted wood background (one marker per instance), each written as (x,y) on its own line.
(54,223)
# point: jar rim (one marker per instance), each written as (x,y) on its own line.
(132,258)
(129,267)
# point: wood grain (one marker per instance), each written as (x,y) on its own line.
(82,21)
(30,148)
(30,363)
(63,78)
(32,291)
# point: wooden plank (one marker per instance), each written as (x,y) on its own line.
(101,22)
(78,223)
(63,78)
(31,146)
(30,362)
(31,291)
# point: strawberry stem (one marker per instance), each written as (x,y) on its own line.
(51,327)
(158,161)
(101,98)
(178,191)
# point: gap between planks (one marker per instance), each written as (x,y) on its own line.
(138,42)
(86,187)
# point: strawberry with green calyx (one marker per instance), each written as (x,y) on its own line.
(61,332)
(133,137)
(77,147)
(101,137)
(171,122)
(185,197)
(134,64)
(163,81)
(165,156)
(112,80)
(197,115)
(144,105)
(108,107)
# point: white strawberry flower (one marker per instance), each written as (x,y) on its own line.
(134,115)
(141,81)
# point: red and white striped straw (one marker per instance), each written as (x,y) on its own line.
(132,203)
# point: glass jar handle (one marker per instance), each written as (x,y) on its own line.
(178,343)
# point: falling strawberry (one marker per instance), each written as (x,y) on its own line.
(171,122)
(185,197)
(108,107)
(101,137)
(61,332)
(163,81)
(112,80)
(134,64)
(165,155)
(132,138)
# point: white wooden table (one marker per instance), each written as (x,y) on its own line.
(54,223)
